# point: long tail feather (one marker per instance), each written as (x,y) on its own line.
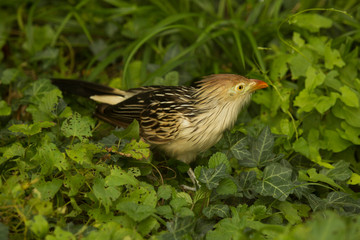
(84,89)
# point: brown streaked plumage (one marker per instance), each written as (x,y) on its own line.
(182,121)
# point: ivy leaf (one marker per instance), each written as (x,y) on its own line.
(178,228)
(211,177)
(260,153)
(246,183)
(276,182)
(341,171)
(240,152)
(312,176)
(137,212)
(77,126)
(31,129)
(220,210)
(334,200)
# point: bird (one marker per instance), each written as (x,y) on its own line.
(181,121)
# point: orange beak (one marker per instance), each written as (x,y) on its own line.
(258,84)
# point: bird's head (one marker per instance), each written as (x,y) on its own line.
(229,87)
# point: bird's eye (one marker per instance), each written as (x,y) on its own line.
(240,87)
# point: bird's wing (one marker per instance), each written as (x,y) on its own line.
(159,112)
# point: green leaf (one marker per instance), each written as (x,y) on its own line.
(226,187)
(220,210)
(299,63)
(211,177)
(60,235)
(349,97)
(279,67)
(137,212)
(290,212)
(77,126)
(141,194)
(341,171)
(246,183)
(324,103)
(218,158)
(229,228)
(9,75)
(334,200)
(47,190)
(164,192)
(31,129)
(15,150)
(49,156)
(314,78)
(137,149)
(119,177)
(4,231)
(260,153)
(131,132)
(312,176)
(276,182)
(349,114)
(39,226)
(305,100)
(147,225)
(165,211)
(5,110)
(179,228)
(310,21)
(332,57)
(240,152)
(43,107)
(170,79)
(351,133)
(74,183)
(333,141)
(106,195)
(82,153)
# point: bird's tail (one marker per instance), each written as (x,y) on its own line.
(94,91)
(85,89)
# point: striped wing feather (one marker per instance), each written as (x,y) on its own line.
(159,112)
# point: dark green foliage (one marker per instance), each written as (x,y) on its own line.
(289,169)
